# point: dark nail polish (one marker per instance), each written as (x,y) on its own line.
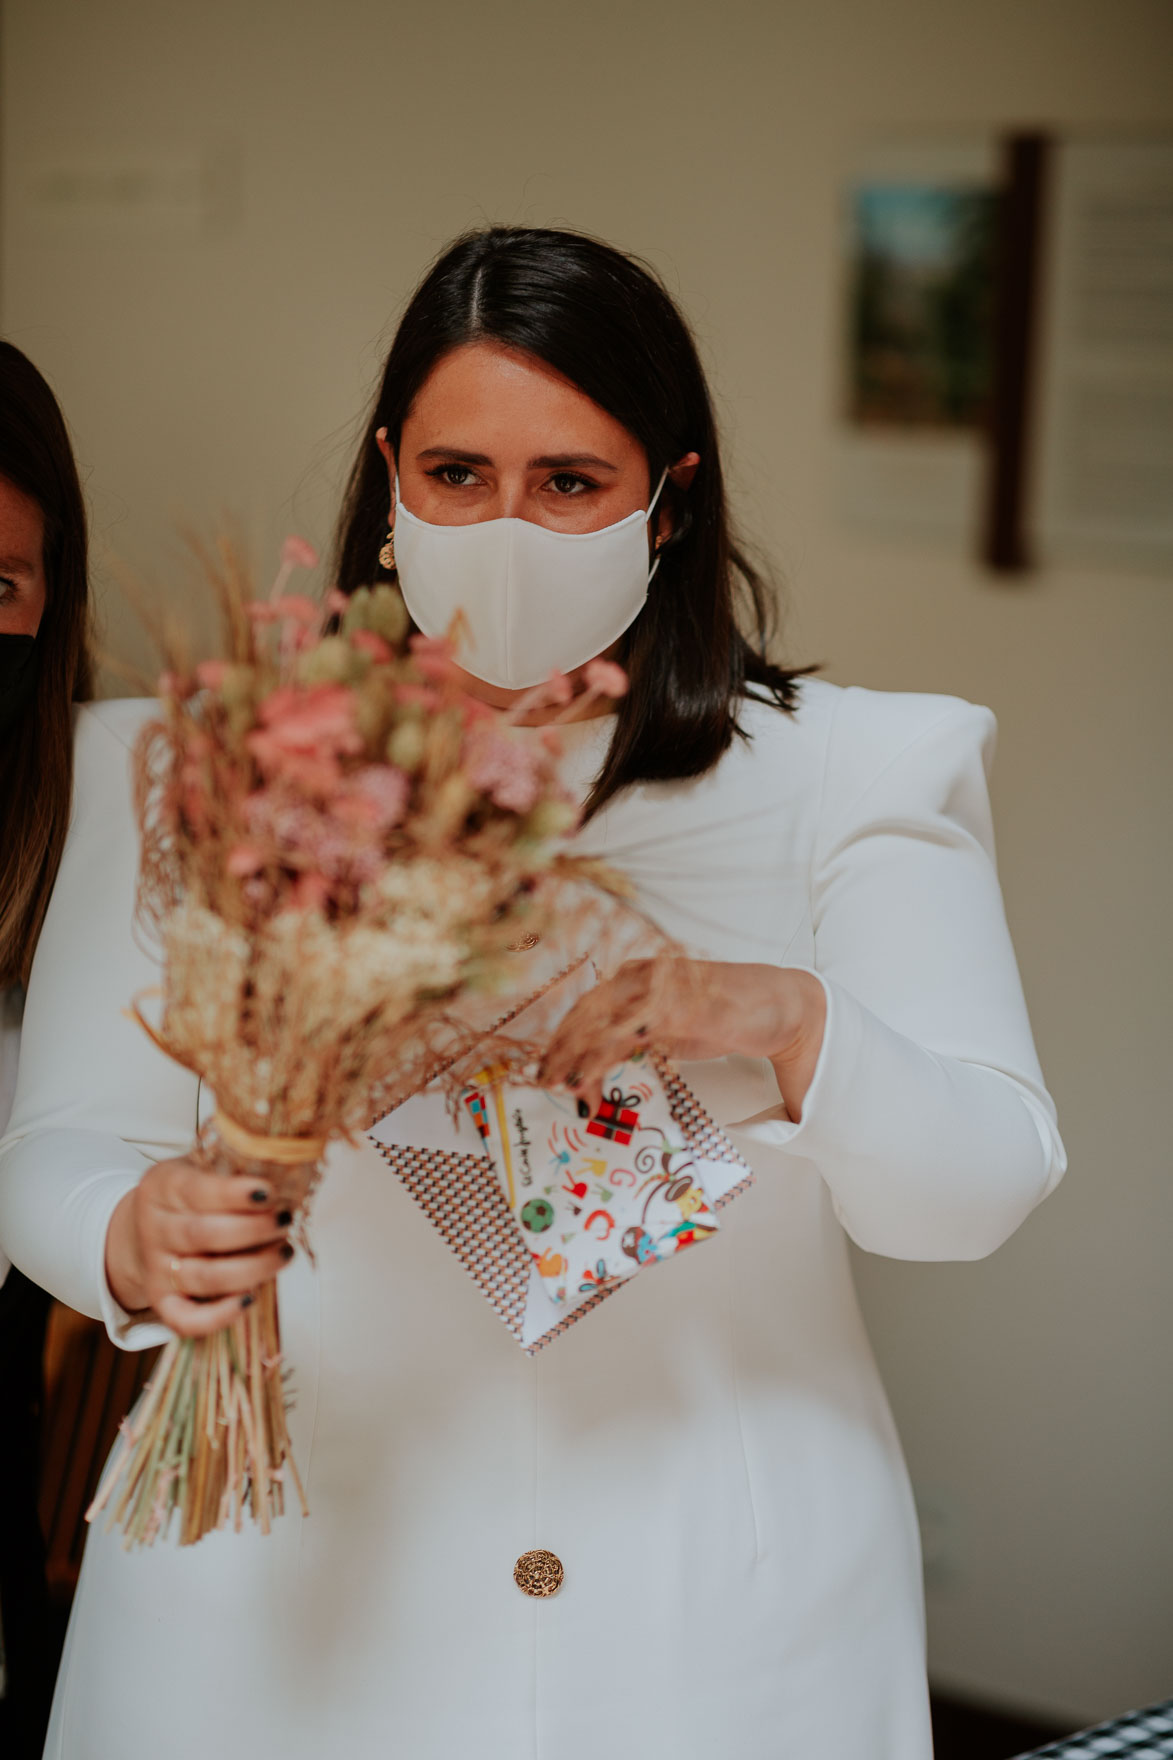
(584,1110)
(259,1196)
(247,1301)
(287,1250)
(284,1218)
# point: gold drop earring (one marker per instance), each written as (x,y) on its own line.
(387,553)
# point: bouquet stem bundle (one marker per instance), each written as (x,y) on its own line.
(209,1437)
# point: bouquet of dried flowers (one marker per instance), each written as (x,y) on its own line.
(337,844)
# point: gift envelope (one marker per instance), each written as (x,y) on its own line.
(596,1197)
(551,1208)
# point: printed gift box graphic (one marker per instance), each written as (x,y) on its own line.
(617,1117)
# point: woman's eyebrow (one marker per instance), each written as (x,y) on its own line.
(455,452)
(561,461)
(17,565)
(550,461)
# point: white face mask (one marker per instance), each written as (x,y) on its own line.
(534,600)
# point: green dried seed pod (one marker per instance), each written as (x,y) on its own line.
(388,614)
(333,661)
(406,745)
(356,615)
(550,818)
(379,609)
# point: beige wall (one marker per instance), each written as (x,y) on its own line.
(218,362)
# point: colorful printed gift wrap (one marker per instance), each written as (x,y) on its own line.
(595,1197)
(551,1209)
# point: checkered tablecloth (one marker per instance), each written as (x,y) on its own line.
(1140,1735)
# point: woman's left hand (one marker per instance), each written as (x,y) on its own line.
(694,1009)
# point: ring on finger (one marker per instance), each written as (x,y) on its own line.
(173,1270)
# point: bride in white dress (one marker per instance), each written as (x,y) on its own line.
(709,1455)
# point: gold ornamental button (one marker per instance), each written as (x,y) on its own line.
(538,1573)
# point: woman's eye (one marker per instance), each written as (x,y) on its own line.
(569,483)
(456,476)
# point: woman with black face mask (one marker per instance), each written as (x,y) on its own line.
(44,670)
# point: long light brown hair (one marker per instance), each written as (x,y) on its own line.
(36,751)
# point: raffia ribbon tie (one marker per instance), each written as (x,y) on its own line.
(281,1151)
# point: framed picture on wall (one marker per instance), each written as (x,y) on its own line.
(1007,359)
(922,274)
(918,239)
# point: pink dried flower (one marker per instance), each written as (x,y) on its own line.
(341,838)
(384,790)
(433,658)
(282,820)
(558,688)
(304,733)
(605,678)
(318,719)
(295,553)
(367,642)
(315,775)
(311,892)
(259,809)
(298,553)
(504,769)
(174,684)
(244,860)
(194,801)
(551,693)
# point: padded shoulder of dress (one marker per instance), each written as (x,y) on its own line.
(883,724)
(905,748)
(879,723)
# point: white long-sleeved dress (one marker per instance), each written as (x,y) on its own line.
(709,1453)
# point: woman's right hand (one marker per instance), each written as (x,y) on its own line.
(193,1245)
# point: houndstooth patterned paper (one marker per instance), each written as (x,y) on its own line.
(1140,1735)
(707,1142)
(462,1197)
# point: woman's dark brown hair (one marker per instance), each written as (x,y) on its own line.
(607,324)
(36,753)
